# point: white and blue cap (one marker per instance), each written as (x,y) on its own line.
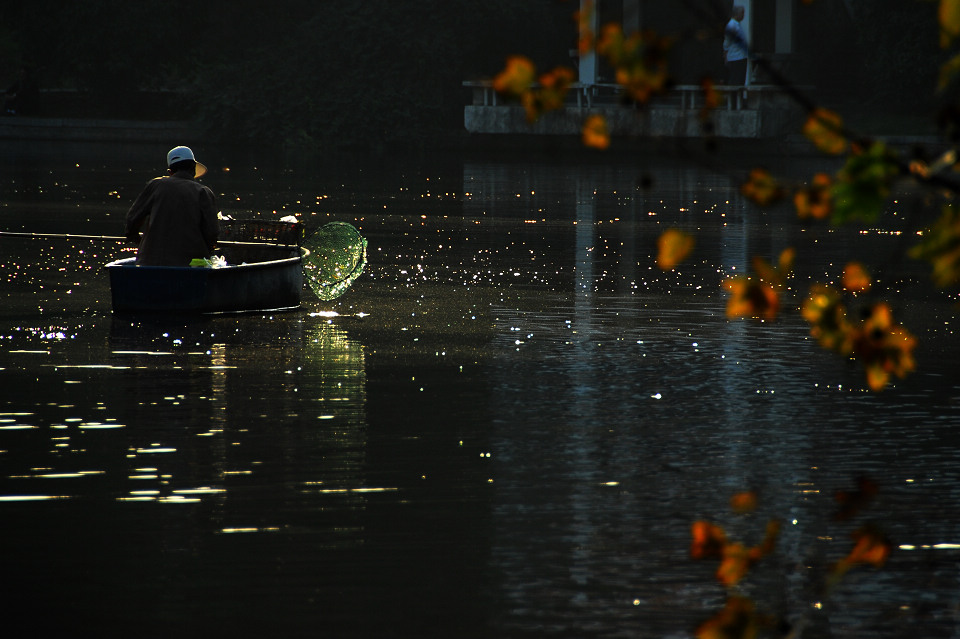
(181,153)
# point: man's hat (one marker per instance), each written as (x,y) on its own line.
(181,153)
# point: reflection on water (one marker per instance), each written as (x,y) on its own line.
(504,429)
(197,377)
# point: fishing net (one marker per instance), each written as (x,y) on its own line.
(338,254)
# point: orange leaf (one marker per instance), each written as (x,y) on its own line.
(516,78)
(585,34)
(751,298)
(883,347)
(871,547)
(738,620)
(825,129)
(673,247)
(736,561)
(856,278)
(785,263)
(827,316)
(595,133)
(553,88)
(711,97)
(744,502)
(709,540)
(761,188)
(816,200)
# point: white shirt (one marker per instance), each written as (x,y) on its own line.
(734,41)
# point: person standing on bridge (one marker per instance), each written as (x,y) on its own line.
(176,213)
(735,49)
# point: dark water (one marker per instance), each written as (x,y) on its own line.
(505,428)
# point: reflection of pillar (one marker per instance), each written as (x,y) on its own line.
(586,211)
(588,61)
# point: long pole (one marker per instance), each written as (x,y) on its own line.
(66,236)
(110,238)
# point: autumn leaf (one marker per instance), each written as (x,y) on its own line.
(871,547)
(825,129)
(814,200)
(709,540)
(640,62)
(516,82)
(738,558)
(711,97)
(738,620)
(855,278)
(758,295)
(949,19)
(883,347)
(948,71)
(785,263)
(595,133)
(824,310)
(762,188)
(744,502)
(673,247)
(516,78)
(553,88)
(585,34)
(751,297)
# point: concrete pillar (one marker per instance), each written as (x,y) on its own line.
(588,62)
(747,25)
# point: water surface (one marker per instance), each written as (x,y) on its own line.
(505,428)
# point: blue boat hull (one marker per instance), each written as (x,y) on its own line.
(257,286)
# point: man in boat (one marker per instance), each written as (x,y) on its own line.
(176,213)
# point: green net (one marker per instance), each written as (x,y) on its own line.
(337,255)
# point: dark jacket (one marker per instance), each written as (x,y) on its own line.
(178,218)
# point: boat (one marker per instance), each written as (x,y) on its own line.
(263,272)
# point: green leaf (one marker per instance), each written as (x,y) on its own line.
(863,185)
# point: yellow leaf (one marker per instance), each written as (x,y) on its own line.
(949,18)
(672,248)
(948,71)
